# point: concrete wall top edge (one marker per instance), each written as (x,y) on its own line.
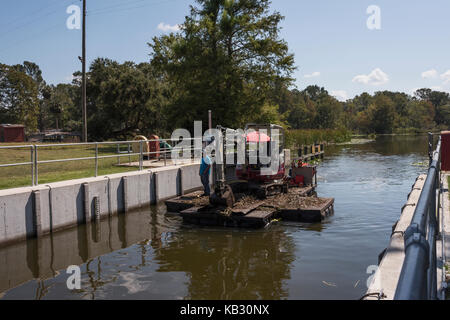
(6,192)
(127,174)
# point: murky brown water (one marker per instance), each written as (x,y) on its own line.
(151,255)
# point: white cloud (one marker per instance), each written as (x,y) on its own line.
(71,78)
(133,283)
(446,76)
(341,95)
(413,91)
(375,78)
(429,74)
(167,27)
(312,75)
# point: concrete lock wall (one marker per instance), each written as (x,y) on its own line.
(388,272)
(167,183)
(35,211)
(42,257)
(190,178)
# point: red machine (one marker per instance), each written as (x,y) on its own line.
(251,170)
(267,138)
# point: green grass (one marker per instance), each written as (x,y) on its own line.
(19,176)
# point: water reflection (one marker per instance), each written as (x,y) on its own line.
(231,264)
(132,251)
(150,254)
(42,258)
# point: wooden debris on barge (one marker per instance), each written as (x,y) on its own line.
(195,199)
(210,216)
(251,212)
(304,209)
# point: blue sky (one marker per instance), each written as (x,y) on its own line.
(332,44)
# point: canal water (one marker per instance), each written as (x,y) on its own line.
(151,254)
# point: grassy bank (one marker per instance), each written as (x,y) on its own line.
(296,138)
(19,176)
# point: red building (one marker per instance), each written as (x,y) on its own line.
(12,133)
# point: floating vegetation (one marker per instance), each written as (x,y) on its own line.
(314,161)
(420,164)
(356,141)
(297,137)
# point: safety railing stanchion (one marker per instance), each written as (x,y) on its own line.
(140,155)
(36,171)
(118,152)
(32,165)
(96,159)
(165,156)
(430,148)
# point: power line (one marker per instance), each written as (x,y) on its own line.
(8,31)
(20,41)
(123,3)
(114,10)
(32,13)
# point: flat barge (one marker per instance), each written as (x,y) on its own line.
(298,204)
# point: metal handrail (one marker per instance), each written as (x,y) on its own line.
(418,278)
(34,159)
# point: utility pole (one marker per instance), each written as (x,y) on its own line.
(209,119)
(83,85)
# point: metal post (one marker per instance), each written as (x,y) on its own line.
(36,174)
(315,176)
(96,159)
(433,231)
(140,155)
(165,157)
(430,148)
(32,165)
(209,119)
(83,72)
(118,152)
(129,157)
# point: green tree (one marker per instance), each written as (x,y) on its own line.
(123,99)
(61,111)
(421,114)
(444,115)
(44,91)
(362,102)
(227,58)
(437,99)
(382,114)
(362,121)
(19,101)
(329,111)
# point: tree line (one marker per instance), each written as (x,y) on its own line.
(228,58)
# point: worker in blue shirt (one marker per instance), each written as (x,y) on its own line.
(205,170)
